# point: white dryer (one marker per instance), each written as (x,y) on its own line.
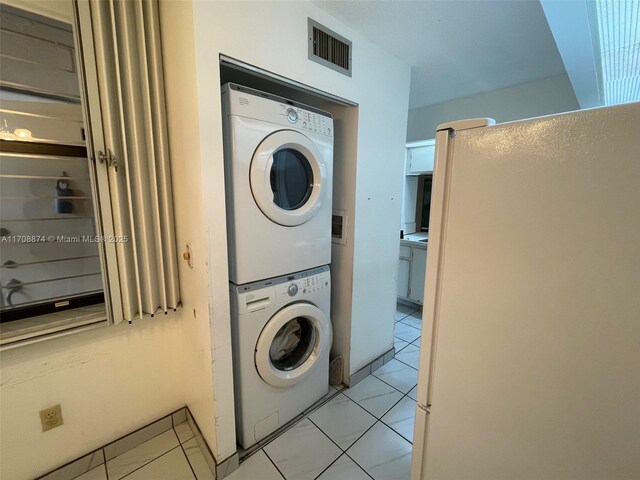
(282,336)
(278,169)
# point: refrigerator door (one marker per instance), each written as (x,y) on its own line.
(533,299)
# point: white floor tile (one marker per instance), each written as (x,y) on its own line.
(414,393)
(127,462)
(197,461)
(171,466)
(344,469)
(417,342)
(183,431)
(342,420)
(302,452)
(401,417)
(383,454)
(410,355)
(406,333)
(398,375)
(98,473)
(414,321)
(399,344)
(257,466)
(374,395)
(400,315)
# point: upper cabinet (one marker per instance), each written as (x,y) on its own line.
(420,156)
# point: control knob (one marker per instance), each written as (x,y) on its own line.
(292,290)
(292,115)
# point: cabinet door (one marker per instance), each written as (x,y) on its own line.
(421,158)
(404,270)
(418,271)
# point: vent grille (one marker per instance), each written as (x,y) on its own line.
(329,49)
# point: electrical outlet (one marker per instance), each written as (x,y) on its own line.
(51,417)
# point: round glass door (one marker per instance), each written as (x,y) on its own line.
(287,178)
(291,179)
(291,343)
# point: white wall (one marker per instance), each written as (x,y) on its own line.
(109,381)
(272,36)
(178,48)
(533,99)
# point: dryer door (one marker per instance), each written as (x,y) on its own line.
(291,343)
(287,178)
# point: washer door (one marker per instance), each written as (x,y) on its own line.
(291,343)
(287,178)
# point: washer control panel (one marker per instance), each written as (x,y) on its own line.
(301,285)
(281,290)
(307,120)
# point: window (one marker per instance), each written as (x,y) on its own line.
(49,260)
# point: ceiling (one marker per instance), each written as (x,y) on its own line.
(457,48)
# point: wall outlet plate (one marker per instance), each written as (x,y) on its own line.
(51,417)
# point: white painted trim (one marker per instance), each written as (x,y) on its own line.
(421,143)
(569,23)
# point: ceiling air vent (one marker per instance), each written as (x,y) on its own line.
(329,49)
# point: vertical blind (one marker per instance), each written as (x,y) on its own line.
(619,41)
(123,81)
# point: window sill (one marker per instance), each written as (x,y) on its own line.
(42,327)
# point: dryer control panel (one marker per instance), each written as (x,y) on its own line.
(251,103)
(306,120)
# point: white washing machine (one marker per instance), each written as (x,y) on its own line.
(282,336)
(278,169)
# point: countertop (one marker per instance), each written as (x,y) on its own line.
(419,239)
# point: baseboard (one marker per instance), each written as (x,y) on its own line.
(365,371)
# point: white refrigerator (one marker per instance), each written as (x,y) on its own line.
(530,359)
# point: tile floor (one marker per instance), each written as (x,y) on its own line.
(173,454)
(362,433)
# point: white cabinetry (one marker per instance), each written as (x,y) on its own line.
(418,271)
(404,271)
(411,271)
(420,156)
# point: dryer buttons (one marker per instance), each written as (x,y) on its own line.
(292,290)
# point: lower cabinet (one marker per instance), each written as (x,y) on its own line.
(411,273)
(404,271)
(418,271)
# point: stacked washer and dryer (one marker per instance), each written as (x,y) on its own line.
(278,169)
